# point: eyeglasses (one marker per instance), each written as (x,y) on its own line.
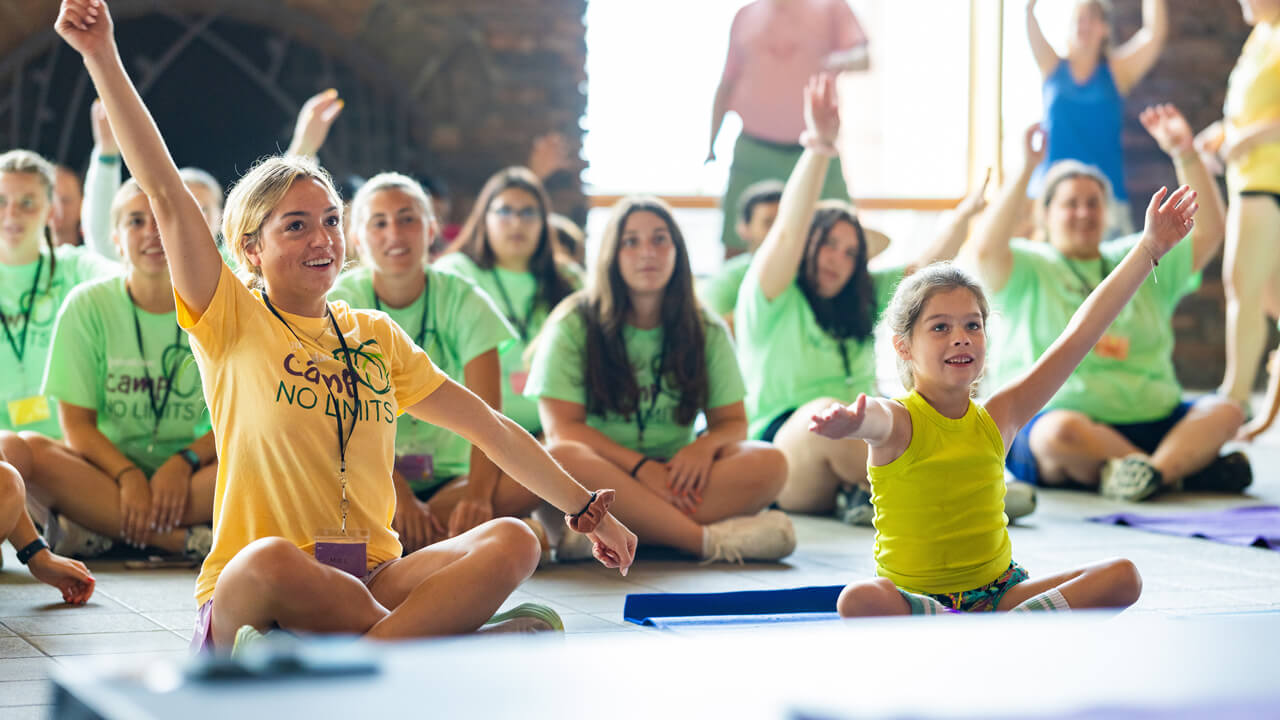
(525,214)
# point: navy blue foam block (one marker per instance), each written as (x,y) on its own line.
(641,607)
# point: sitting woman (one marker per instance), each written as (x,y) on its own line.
(1119,423)
(805,318)
(303,395)
(621,371)
(139,462)
(506,248)
(444,485)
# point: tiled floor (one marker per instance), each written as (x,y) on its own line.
(152,611)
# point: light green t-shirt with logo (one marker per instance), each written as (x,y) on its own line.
(789,360)
(95,363)
(720,291)
(559,372)
(514,294)
(1129,377)
(461,323)
(21,378)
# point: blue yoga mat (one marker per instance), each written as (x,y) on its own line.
(750,607)
(1257,525)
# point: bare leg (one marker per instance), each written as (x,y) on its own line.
(1197,439)
(817,466)
(872,598)
(70,485)
(1069,446)
(643,511)
(1108,584)
(1249,266)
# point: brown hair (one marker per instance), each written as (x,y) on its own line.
(913,294)
(852,312)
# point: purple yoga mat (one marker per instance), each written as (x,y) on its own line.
(1258,525)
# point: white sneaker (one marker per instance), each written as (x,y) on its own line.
(71,539)
(1019,498)
(1131,478)
(199,542)
(767,536)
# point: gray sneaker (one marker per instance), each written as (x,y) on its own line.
(853,506)
(1131,478)
(767,536)
(199,542)
(1019,498)
(71,539)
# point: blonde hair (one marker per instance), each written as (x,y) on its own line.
(25,161)
(359,207)
(196,176)
(256,195)
(128,191)
(913,294)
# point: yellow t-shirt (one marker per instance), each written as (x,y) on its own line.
(940,522)
(1253,96)
(273,417)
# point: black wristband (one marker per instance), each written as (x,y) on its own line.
(33,547)
(191,457)
(639,465)
(585,507)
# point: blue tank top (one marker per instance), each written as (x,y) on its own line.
(1084,123)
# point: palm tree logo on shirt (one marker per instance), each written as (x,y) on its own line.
(371,371)
(178,364)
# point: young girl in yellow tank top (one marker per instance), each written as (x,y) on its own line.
(937,456)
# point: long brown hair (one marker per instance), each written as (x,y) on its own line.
(473,241)
(610,380)
(852,312)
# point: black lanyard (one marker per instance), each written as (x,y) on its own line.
(1088,287)
(642,419)
(343,438)
(522,326)
(426,309)
(843,345)
(20,346)
(157,406)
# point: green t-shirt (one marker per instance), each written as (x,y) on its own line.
(461,323)
(1129,377)
(95,363)
(21,378)
(514,295)
(720,291)
(559,372)
(789,360)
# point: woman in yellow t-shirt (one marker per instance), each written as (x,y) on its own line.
(936,457)
(303,395)
(1247,142)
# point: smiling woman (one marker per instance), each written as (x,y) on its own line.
(302,475)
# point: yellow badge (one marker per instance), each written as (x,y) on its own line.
(1113,347)
(29,410)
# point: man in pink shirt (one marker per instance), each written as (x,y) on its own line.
(774,46)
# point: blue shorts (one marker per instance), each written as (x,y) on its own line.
(1146,436)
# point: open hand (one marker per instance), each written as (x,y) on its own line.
(469,513)
(615,545)
(839,421)
(135,508)
(103,138)
(822,109)
(170,486)
(1035,143)
(86,26)
(1169,219)
(1169,128)
(314,120)
(689,472)
(414,523)
(71,577)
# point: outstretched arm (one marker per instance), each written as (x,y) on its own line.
(1250,137)
(988,254)
(188,243)
(1169,220)
(1171,131)
(778,259)
(1131,61)
(1046,57)
(314,120)
(884,425)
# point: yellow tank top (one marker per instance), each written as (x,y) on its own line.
(1253,96)
(940,522)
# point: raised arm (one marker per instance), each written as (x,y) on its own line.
(1171,131)
(778,259)
(884,425)
(1046,57)
(314,121)
(955,228)
(100,185)
(1131,61)
(988,254)
(719,108)
(188,244)
(1169,219)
